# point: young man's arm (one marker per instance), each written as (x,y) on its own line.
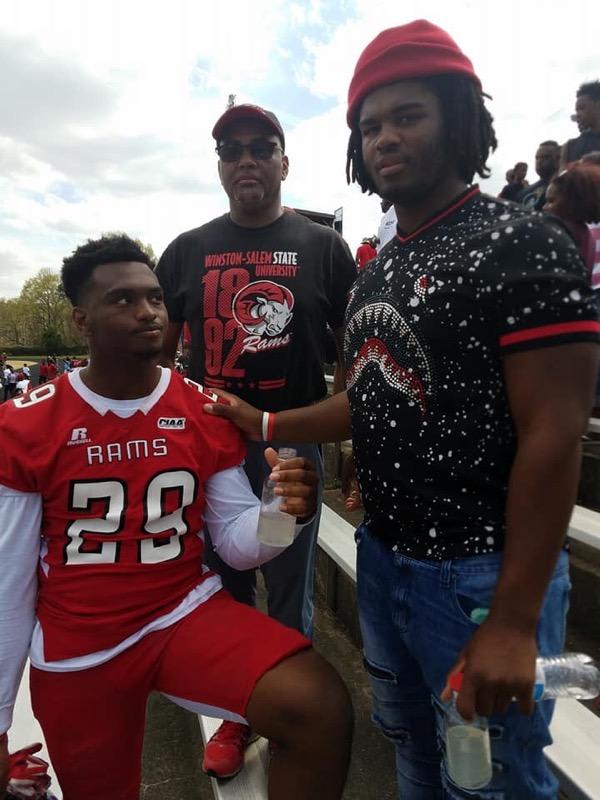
(550,394)
(327,421)
(232,509)
(20,514)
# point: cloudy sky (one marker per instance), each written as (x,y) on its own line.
(106,108)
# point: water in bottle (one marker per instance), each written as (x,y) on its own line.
(275,527)
(468,755)
(567,675)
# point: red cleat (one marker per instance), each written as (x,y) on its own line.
(224,751)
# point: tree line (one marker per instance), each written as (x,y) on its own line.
(40,317)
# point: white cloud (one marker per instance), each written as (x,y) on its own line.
(107,109)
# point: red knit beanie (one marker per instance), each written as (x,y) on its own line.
(416,50)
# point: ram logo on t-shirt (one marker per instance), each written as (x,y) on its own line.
(263,307)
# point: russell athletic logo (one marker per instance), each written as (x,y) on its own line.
(171,423)
(79,436)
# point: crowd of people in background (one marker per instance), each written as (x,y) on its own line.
(15,381)
(568,184)
(569,172)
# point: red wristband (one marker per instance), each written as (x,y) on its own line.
(271,427)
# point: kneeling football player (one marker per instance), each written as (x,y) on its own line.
(108,476)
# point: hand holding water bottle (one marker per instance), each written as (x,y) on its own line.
(289,493)
(498,663)
(467,743)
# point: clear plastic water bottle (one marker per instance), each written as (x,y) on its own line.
(567,675)
(275,527)
(468,755)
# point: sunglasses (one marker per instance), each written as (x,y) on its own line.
(260,150)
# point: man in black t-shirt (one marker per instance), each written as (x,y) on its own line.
(258,288)
(587,116)
(471,352)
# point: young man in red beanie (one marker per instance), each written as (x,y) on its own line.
(471,350)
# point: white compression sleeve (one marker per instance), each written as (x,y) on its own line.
(232,518)
(20,521)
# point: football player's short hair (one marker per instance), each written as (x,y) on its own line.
(109,249)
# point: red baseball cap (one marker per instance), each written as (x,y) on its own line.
(417,50)
(248,111)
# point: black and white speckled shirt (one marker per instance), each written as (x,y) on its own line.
(428,323)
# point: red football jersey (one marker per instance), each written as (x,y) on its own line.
(123,502)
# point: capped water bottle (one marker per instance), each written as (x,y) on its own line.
(567,675)
(468,755)
(275,527)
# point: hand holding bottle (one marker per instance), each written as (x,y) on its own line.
(289,492)
(499,666)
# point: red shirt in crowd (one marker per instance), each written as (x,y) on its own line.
(364,254)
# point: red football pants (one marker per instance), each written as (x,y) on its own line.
(93,719)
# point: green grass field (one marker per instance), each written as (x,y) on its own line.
(18,361)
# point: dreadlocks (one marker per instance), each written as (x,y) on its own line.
(468,127)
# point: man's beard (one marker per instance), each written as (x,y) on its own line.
(409,195)
(147,354)
(429,171)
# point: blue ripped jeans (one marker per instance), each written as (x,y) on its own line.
(414,619)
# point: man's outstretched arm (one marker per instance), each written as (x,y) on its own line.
(327,421)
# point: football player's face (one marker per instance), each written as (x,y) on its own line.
(123,310)
(251,182)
